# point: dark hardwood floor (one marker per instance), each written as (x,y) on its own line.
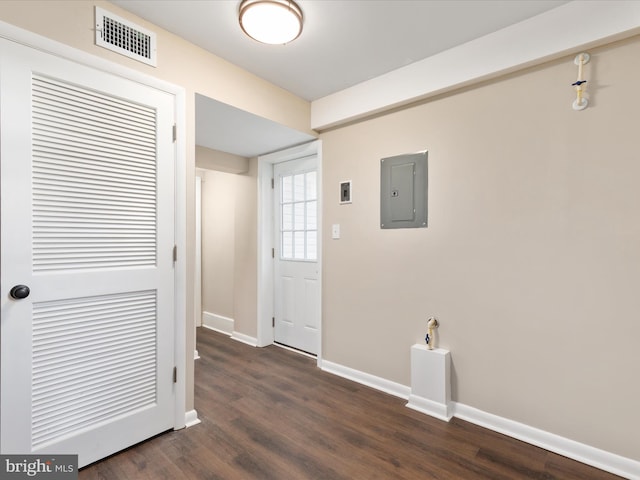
(268,413)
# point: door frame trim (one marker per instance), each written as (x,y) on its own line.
(181,324)
(266,237)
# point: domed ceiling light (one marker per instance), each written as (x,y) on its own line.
(275,22)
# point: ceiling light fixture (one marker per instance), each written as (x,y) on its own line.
(275,22)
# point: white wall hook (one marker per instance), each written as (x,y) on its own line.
(585,58)
(580,106)
(580,103)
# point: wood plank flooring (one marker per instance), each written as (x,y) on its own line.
(268,413)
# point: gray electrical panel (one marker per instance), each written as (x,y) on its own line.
(403,191)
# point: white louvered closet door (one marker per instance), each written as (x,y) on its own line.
(88,225)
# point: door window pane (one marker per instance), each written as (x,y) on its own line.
(311,186)
(312,247)
(287,189)
(298,187)
(287,244)
(299,216)
(287,217)
(312,215)
(298,245)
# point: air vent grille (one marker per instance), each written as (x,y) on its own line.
(124,37)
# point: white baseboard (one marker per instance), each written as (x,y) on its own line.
(429,407)
(196,355)
(609,462)
(191,418)
(218,323)
(367,379)
(241,337)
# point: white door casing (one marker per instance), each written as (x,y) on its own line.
(197,307)
(296,268)
(88,224)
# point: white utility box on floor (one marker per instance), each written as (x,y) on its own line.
(431,381)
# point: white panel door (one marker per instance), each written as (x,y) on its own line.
(87,199)
(297,285)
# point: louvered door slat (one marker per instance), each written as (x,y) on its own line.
(66,336)
(92,126)
(110,158)
(60,200)
(59,344)
(91,175)
(92,146)
(53,193)
(85,100)
(94,185)
(62,139)
(113,351)
(87,385)
(96,164)
(120,358)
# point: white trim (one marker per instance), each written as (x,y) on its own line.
(196,355)
(563,30)
(182,324)
(367,379)
(241,337)
(429,407)
(197,297)
(43,44)
(265,261)
(218,323)
(191,418)
(609,462)
(266,236)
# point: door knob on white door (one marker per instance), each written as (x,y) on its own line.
(19,292)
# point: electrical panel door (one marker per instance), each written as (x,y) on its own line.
(403,191)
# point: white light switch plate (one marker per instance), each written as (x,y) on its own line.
(335,231)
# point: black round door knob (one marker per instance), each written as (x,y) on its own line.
(19,292)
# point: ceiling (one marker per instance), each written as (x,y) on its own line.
(222,127)
(343,43)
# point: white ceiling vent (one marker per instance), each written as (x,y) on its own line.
(124,37)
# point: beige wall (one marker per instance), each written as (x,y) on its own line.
(72,22)
(222,190)
(229,239)
(218,242)
(209,159)
(229,246)
(246,252)
(531,260)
